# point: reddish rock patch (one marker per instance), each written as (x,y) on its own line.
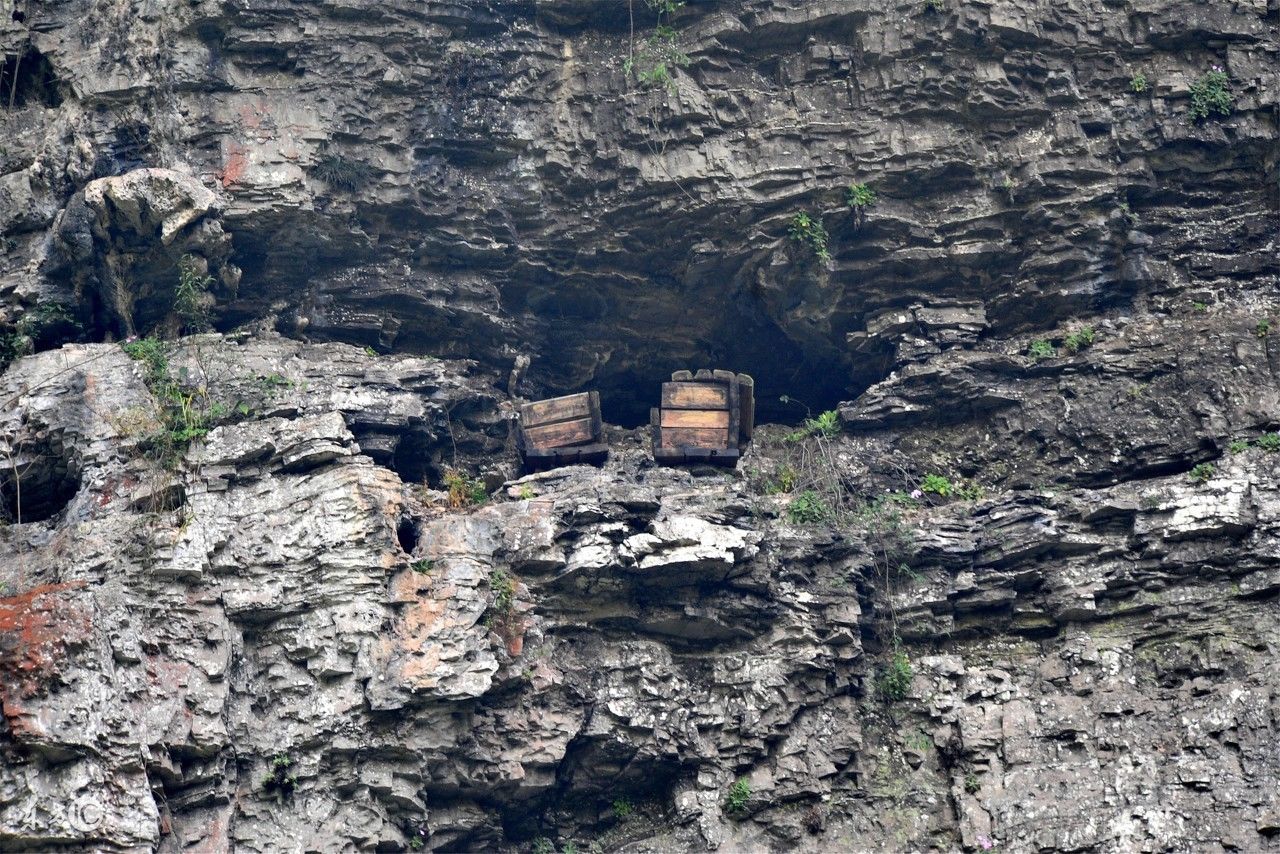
(37,629)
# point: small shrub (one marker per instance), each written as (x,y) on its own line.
(1138,83)
(895,679)
(622,809)
(934,5)
(808,508)
(1269,442)
(785,481)
(814,819)
(424,566)
(1201,472)
(464,491)
(1200,306)
(971,783)
(1239,446)
(342,173)
(1078,340)
(189,301)
(809,231)
(1041,349)
(938,485)
(1209,95)
(278,780)
(526,492)
(860,196)
(542,845)
(657,55)
(417,833)
(1263,328)
(739,795)
(826,425)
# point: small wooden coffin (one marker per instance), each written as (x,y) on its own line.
(562,431)
(706,417)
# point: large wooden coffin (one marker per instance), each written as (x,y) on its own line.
(562,431)
(707,417)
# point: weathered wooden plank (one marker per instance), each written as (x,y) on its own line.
(694,437)
(747,406)
(711,418)
(556,409)
(695,396)
(559,435)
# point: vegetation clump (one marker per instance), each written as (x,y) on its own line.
(811,232)
(895,679)
(622,808)
(739,795)
(464,491)
(1079,340)
(826,426)
(808,508)
(278,780)
(1269,442)
(934,5)
(1041,349)
(659,53)
(185,412)
(1201,473)
(860,196)
(50,324)
(189,300)
(1209,95)
(1138,83)
(342,173)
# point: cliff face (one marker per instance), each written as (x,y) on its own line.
(246,599)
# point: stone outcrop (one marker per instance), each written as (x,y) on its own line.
(280,585)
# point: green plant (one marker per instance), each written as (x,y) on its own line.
(1041,349)
(1078,340)
(622,809)
(810,231)
(659,53)
(424,565)
(47,325)
(1200,306)
(1209,94)
(1238,446)
(938,485)
(542,845)
(417,833)
(971,783)
(934,5)
(369,351)
(860,196)
(569,848)
(464,491)
(895,678)
(186,413)
(342,173)
(826,425)
(189,301)
(1269,442)
(1201,472)
(1263,328)
(526,492)
(739,795)
(784,482)
(808,508)
(1138,83)
(278,779)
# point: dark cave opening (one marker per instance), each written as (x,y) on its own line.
(38,479)
(27,79)
(407,534)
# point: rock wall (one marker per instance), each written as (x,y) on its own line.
(246,602)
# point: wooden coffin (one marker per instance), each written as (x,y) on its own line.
(562,431)
(707,417)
